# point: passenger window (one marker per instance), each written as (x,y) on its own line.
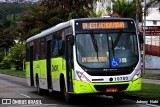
(37,49)
(42,48)
(61,44)
(55,45)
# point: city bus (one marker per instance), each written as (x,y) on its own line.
(86,56)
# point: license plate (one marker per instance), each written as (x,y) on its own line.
(111,90)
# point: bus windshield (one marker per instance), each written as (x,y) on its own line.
(107,50)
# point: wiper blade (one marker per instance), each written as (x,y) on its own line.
(113,48)
(94,43)
(117,39)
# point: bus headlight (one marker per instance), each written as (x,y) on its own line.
(82,77)
(137,75)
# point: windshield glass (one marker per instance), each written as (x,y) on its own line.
(110,50)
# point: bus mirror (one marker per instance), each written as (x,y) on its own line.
(140,36)
(71,40)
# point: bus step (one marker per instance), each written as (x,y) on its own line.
(71,92)
(50,90)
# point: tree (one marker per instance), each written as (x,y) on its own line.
(17,55)
(32,22)
(125,8)
(6,40)
(75,8)
(94,14)
(10,15)
(51,12)
(131,9)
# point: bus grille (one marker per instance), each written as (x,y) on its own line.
(120,87)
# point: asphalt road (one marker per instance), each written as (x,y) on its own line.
(14,89)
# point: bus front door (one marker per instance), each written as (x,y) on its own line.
(48,57)
(69,63)
(31,66)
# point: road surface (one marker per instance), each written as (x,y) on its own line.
(15,89)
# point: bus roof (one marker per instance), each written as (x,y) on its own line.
(49,31)
(70,23)
(102,18)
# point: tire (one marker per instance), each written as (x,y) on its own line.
(38,89)
(68,97)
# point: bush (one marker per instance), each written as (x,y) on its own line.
(5,64)
(17,55)
(14,58)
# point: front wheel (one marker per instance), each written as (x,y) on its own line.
(67,96)
(39,90)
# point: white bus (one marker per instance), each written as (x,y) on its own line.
(86,56)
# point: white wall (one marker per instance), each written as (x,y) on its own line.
(154,15)
(152,61)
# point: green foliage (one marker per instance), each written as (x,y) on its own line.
(51,12)
(1,56)
(11,10)
(125,8)
(151,91)
(6,40)
(10,16)
(14,57)
(18,73)
(150,75)
(17,52)
(33,22)
(131,9)
(5,64)
(94,14)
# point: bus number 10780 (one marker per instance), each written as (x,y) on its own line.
(121,78)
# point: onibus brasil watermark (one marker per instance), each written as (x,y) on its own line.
(21,101)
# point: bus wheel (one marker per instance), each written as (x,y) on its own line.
(118,98)
(68,97)
(39,90)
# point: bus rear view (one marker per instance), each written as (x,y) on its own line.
(107,57)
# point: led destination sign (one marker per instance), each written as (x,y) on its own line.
(104,25)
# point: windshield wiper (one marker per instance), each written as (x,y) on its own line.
(114,44)
(113,48)
(94,43)
(117,39)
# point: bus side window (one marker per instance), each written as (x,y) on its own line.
(55,45)
(61,44)
(34,50)
(38,49)
(42,48)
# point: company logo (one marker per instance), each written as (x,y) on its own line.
(6,101)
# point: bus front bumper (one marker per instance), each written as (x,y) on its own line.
(84,87)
